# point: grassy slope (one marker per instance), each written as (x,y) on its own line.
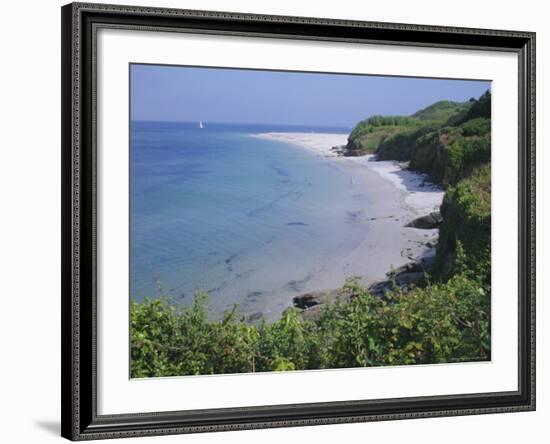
(443,110)
(381,133)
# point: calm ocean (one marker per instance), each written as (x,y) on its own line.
(250,221)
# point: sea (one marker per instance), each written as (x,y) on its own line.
(250,222)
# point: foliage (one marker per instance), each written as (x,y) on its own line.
(479,108)
(401,144)
(166,340)
(370,133)
(368,141)
(446,148)
(479,126)
(466,226)
(440,323)
(442,111)
(370,124)
(464,152)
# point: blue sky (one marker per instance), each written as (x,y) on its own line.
(174,93)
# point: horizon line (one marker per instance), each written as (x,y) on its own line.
(217,122)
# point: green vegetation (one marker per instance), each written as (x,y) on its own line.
(442,111)
(440,323)
(393,137)
(401,144)
(447,140)
(447,319)
(479,108)
(370,133)
(466,214)
(375,122)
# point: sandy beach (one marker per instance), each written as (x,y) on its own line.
(320,143)
(421,195)
(397,196)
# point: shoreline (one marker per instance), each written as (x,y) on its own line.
(422,194)
(388,244)
(319,143)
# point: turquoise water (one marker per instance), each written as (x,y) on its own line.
(247,220)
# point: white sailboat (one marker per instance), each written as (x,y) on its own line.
(201,126)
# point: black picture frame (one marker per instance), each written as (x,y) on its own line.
(80,420)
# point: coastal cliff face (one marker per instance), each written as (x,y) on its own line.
(450,154)
(447,140)
(465,234)
(451,142)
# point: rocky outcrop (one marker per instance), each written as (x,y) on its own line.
(307,300)
(339,150)
(311,303)
(311,313)
(411,267)
(353,149)
(254,317)
(428,222)
(404,278)
(404,281)
(429,157)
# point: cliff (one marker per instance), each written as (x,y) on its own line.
(465,233)
(447,140)
(450,141)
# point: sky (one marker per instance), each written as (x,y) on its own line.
(190,94)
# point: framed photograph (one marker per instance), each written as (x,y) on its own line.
(278,221)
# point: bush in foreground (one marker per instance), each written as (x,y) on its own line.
(440,323)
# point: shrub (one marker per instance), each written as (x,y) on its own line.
(466,214)
(464,152)
(444,322)
(479,126)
